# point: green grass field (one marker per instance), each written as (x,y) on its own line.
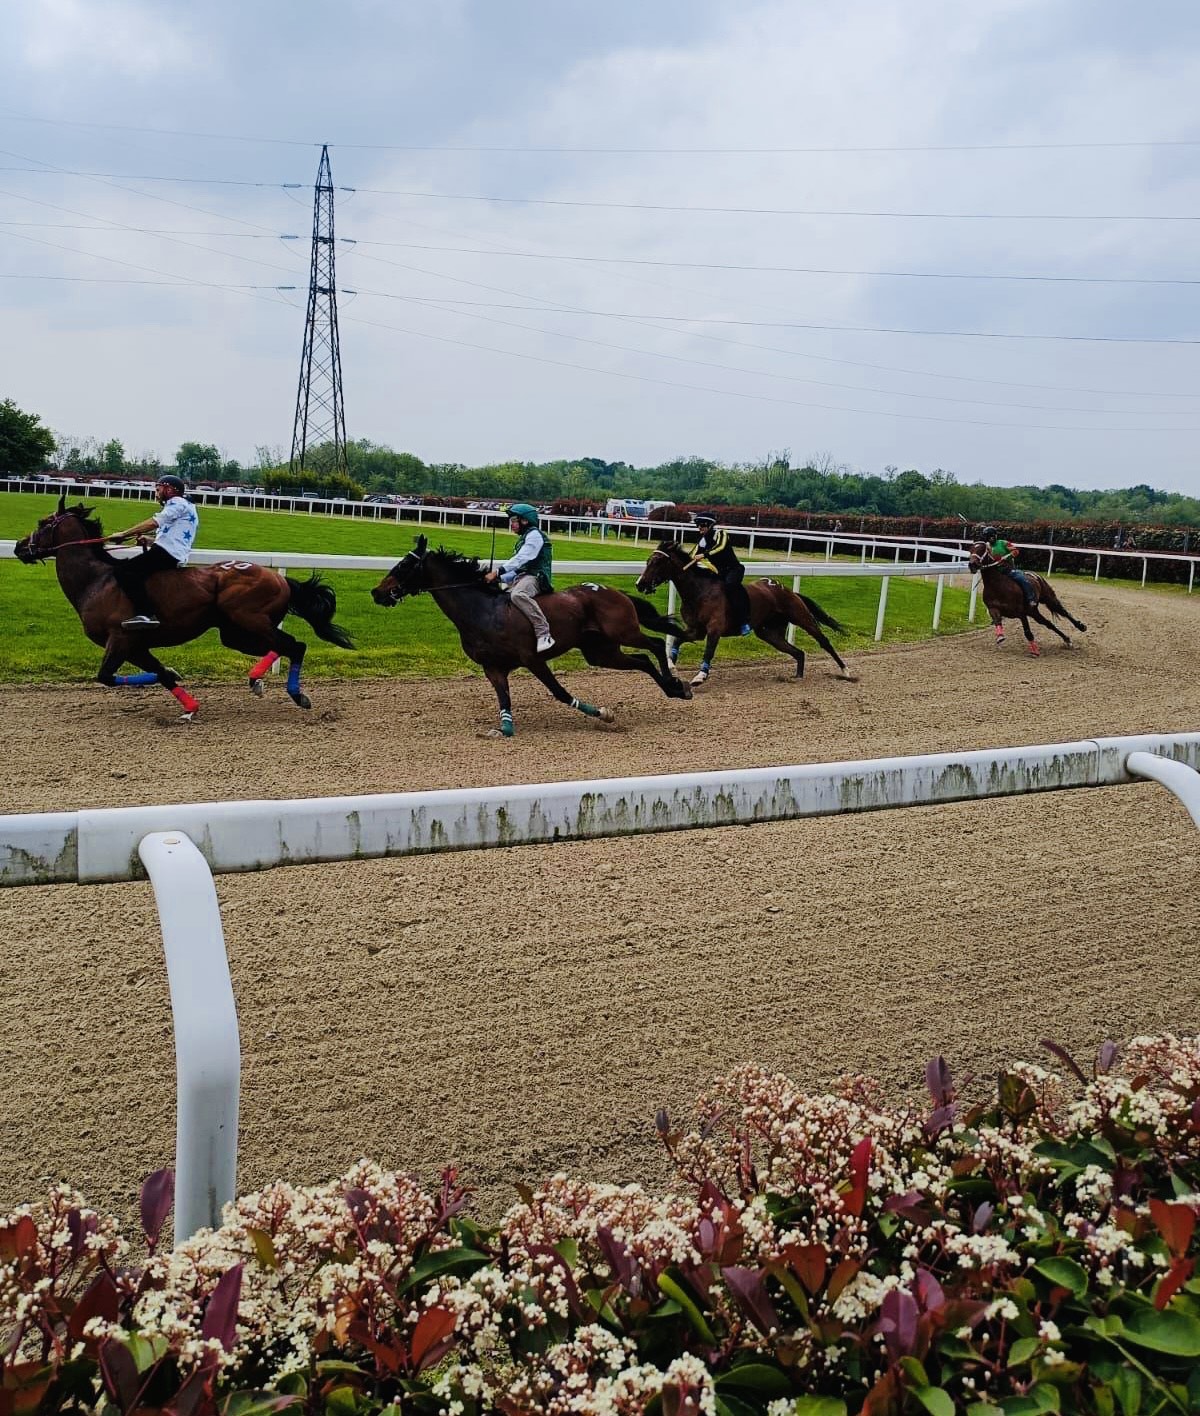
(45,642)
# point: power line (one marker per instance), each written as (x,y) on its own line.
(625,206)
(1099,145)
(792,270)
(143,230)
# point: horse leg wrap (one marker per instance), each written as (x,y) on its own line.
(187,702)
(135,678)
(506,723)
(588,708)
(293,678)
(263,666)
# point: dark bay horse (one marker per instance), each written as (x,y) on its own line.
(1004,598)
(497,636)
(705,609)
(244,603)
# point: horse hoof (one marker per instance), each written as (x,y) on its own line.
(999,640)
(699,679)
(256,687)
(1034,650)
(301,700)
(187,717)
(606,715)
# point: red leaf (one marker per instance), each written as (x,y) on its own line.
(860,1164)
(433,1326)
(1172,1281)
(120,1372)
(221,1315)
(156,1198)
(1176,1224)
(808,1264)
(100,1301)
(842,1275)
(18,1241)
(748,1288)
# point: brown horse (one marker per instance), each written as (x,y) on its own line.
(591,618)
(244,603)
(705,609)
(1004,598)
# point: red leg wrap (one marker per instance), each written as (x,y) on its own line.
(263,666)
(188,703)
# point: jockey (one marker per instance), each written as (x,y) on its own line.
(526,573)
(1004,555)
(175,528)
(714,551)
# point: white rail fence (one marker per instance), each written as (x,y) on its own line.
(180,847)
(308,560)
(783,539)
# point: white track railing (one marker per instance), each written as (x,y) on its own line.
(308,560)
(178,846)
(782,538)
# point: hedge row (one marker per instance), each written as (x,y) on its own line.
(816,1256)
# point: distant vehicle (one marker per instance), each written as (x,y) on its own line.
(631,508)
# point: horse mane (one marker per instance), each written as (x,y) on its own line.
(463,564)
(94,529)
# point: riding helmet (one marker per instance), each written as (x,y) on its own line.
(524,512)
(988,533)
(702,518)
(169,479)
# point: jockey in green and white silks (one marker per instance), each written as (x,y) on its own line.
(527,572)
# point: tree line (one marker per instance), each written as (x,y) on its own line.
(820,486)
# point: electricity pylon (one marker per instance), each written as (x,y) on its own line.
(320,411)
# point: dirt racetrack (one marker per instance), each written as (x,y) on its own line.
(524,1011)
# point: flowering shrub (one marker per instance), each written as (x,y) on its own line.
(817,1255)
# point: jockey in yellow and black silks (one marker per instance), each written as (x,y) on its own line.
(714,551)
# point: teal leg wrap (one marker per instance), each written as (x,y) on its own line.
(588,708)
(506,723)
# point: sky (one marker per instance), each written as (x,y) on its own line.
(933,235)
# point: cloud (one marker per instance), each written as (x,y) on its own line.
(120,36)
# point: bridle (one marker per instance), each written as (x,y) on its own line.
(397,592)
(33,541)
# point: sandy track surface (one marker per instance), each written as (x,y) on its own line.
(524,1011)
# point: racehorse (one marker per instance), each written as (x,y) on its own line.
(1004,598)
(705,609)
(497,636)
(244,603)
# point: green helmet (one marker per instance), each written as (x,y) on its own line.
(524,512)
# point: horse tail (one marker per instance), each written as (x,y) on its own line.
(651,617)
(315,602)
(821,616)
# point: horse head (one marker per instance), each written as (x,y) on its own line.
(659,565)
(980,557)
(405,577)
(67,524)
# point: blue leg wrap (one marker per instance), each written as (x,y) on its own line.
(705,666)
(293,679)
(135,678)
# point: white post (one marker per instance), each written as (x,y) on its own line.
(791,629)
(1145,565)
(672,597)
(883,585)
(207,1047)
(1050,567)
(1191,575)
(1097,575)
(971,606)
(937,601)
(750,551)
(864,553)
(897,554)
(828,550)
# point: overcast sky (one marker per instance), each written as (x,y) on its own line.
(146,310)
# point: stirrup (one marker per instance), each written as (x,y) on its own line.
(141,621)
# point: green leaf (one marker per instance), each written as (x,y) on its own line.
(671,1288)
(755,1377)
(1022,1350)
(568,1251)
(983,1408)
(935,1400)
(1127,1386)
(1066,1273)
(914,1371)
(145,1351)
(730,1406)
(818,1406)
(264,1248)
(1175,1333)
(443,1262)
(341,1401)
(257,1403)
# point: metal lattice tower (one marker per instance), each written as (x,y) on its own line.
(320,411)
